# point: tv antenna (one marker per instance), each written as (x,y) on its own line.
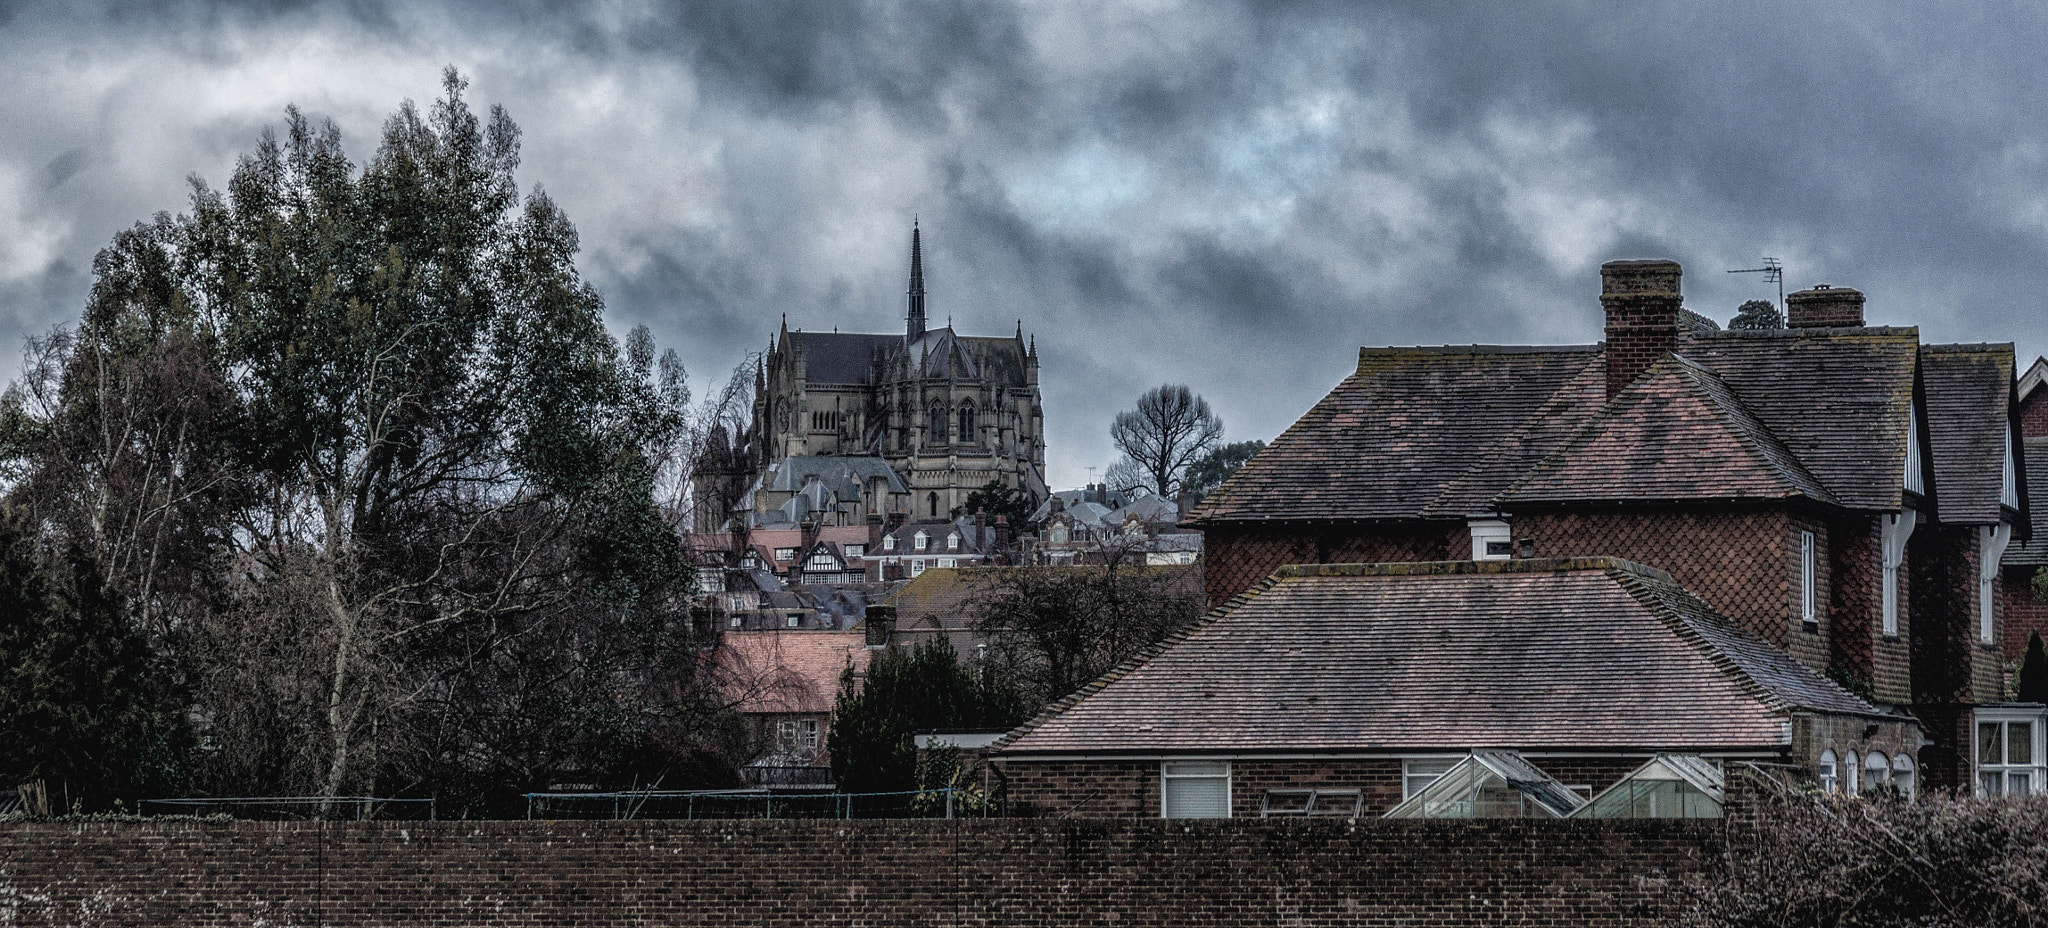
(1774,273)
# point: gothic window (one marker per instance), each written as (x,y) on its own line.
(935,424)
(782,416)
(934,499)
(967,421)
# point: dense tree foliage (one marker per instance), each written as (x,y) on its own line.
(1836,861)
(995,499)
(1170,429)
(1054,629)
(358,444)
(85,707)
(1757,315)
(1210,470)
(906,691)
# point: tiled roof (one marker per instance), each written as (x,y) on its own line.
(1968,388)
(2033,552)
(1836,398)
(945,595)
(843,357)
(1448,656)
(1676,433)
(1442,433)
(786,671)
(1416,433)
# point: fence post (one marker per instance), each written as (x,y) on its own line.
(949,802)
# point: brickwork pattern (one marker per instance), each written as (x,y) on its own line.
(1238,556)
(2023,613)
(1736,560)
(912,873)
(1951,664)
(2034,415)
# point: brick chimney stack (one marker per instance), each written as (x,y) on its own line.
(1642,303)
(1824,307)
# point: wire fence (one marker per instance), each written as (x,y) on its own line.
(297,808)
(751,803)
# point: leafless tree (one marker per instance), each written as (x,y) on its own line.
(1171,427)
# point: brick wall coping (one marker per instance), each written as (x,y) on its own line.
(1451,568)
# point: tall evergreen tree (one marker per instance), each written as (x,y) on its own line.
(84,707)
(905,691)
(2034,671)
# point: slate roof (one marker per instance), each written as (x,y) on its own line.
(2033,551)
(1968,417)
(1444,433)
(1417,433)
(843,357)
(1657,438)
(1446,656)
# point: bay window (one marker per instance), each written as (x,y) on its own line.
(2008,752)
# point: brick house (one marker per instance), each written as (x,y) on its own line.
(1833,489)
(1313,679)
(785,684)
(2026,613)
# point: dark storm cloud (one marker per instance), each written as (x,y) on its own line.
(1233,195)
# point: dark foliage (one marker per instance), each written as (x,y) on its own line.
(1054,629)
(2034,671)
(1757,315)
(84,706)
(1838,862)
(1210,470)
(904,692)
(995,499)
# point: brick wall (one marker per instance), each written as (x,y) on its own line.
(1737,560)
(1000,871)
(2034,415)
(2023,612)
(1237,556)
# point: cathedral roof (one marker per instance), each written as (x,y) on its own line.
(843,357)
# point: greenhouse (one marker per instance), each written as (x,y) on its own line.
(1669,786)
(1490,784)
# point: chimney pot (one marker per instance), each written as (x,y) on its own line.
(1824,306)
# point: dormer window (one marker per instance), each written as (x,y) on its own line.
(785,554)
(1490,540)
(888,542)
(856,550)
(919,541)
(953,541)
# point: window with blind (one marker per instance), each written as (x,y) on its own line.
(1194,789)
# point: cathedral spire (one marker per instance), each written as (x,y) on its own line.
(916,284)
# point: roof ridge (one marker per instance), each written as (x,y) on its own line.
(1133,662)
(1556,404)
(1754,433)
(1638,587)
(1658,602)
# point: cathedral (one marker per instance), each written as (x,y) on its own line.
(948,413)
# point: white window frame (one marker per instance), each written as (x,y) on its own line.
(797,734)
(1905,776)
(1830,771)
(953,541)
(2034,769)
(1991,544)
(916,566)
(857,550)
(1897,530)
(793,620)
(1877,771)
(785,554)
(1488,532)
(918,541)
(1416,775)
(1809,581)
(1188,770)
(1851,771)
(948,562)
(888,542)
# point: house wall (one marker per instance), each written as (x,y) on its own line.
(1026,873)
(2023,612)
(2034,414)
(1743,562)
(1238,556)
(1812,734)
(1951,662)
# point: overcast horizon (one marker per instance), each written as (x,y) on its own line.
(1235,196)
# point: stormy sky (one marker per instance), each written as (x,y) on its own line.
(1231,195)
